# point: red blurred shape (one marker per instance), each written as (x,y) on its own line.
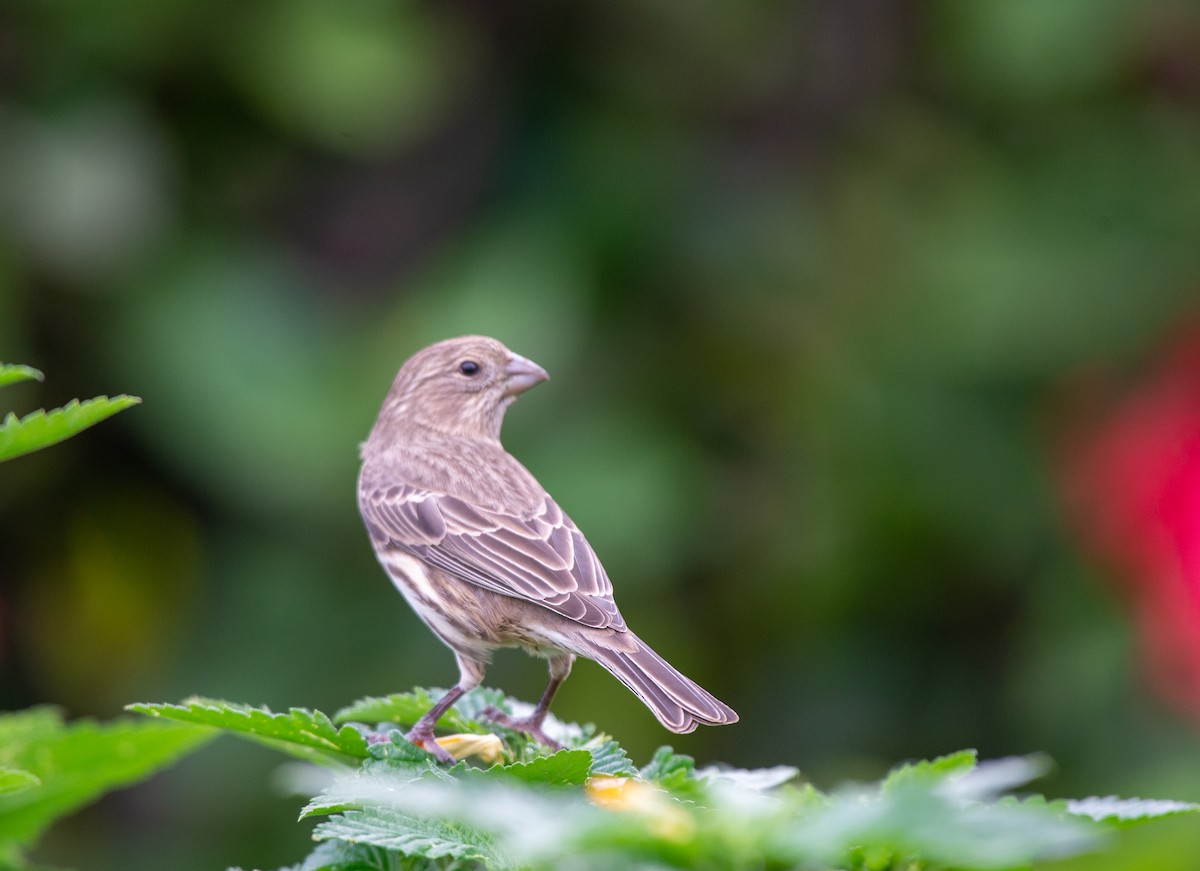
(1133,487)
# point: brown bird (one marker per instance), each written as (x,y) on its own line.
(483,554)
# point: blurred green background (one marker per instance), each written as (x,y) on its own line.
(814,282)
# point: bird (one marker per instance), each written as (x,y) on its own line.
(484,555)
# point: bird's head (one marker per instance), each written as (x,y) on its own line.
(460,386)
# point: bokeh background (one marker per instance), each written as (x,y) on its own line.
(872,334)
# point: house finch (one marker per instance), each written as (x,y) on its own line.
(483,554)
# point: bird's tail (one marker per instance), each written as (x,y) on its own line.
(677,701)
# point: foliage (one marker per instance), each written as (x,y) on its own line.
(586,806)
(308,735)
(40,429)
(49,768)
(11,373)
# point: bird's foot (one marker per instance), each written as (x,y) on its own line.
(423,738)
(531,726)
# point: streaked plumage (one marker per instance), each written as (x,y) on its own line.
(482,553)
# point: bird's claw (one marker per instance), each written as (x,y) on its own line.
(426,742)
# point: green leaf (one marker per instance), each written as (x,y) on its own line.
(399,757)
(931,771)
(922,824)
(804,797)
(1121,812)
(754,779)
(608,757)
(378,782)
(398,751)
(669,769)
(564,768)
(19,728)
(16,779)
(340,856)
(305,734)
(39,429)
(78,762)
(11,373)
(411,835)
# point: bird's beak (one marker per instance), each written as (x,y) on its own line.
(521,374)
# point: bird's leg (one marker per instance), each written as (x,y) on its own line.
(560,667)
(421,734)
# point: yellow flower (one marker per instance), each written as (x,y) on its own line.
(663,815)
(610,793)
(486,748)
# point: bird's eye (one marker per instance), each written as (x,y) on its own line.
(468,367)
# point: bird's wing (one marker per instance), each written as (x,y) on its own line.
(542,559)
